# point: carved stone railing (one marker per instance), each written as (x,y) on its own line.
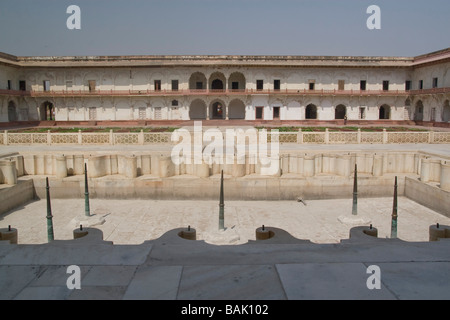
(299,137)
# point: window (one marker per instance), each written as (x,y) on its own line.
(276,112)
(174,103)
(157,85)
(158,113)
(312,84)
(46,85)
(420,84)
(385,85)
(408,85)
(259,84)
(174,85)
(69,84)
(362,113)
(9,84)
(142,113)
(91,85)
(362,85)
(435,82)
(276,85)
(341,85)
(433,114)
(93,113)
(235,86)
(22,85)
(199,85)
(259,112)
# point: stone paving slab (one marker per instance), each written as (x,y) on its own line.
(329,281)
(154,283)
(230,282)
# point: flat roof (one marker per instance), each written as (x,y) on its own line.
(223,60)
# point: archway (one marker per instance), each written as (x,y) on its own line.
(446,112)
(340,111)
(197,81)
(236,81)
(46,111)
(197,110)
(311,111)
(12,113)
(217,110)
(385,112)
(418,112)
(236,109)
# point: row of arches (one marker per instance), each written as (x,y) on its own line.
(235,109)
(217,81)
(217,109)
(340,112)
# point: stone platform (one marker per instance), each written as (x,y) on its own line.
(280,268)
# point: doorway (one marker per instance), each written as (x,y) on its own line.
(12,112)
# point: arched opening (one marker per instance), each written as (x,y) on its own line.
(217,85)
(217,110)
(197,110)
(385,112)
(236,81)
(236,109)
(340,111)
(311,111)
(217,81)
(47,110)
(12,112)
(197,81)
(446,112)
(418,112)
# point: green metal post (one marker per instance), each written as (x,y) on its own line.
(394,213)
(221,206)
(355,192)
(87,210)
(50,234)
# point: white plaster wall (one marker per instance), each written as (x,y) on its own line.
(427,73)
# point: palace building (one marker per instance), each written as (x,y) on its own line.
(269,88)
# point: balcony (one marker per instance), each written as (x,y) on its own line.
(228,92)
(16,93)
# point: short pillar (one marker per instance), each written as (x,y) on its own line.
(263,233)
(80,232)
(9,172)
(61,167)
(371,231)
(437,232)
(9,234)
(188,233)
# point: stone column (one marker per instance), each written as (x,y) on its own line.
(78,164)
(9,172)
(61,167)
(239,167)
(308,166)
(377,170)
(130,169)
(445,175)
(425,171)
(166,167)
